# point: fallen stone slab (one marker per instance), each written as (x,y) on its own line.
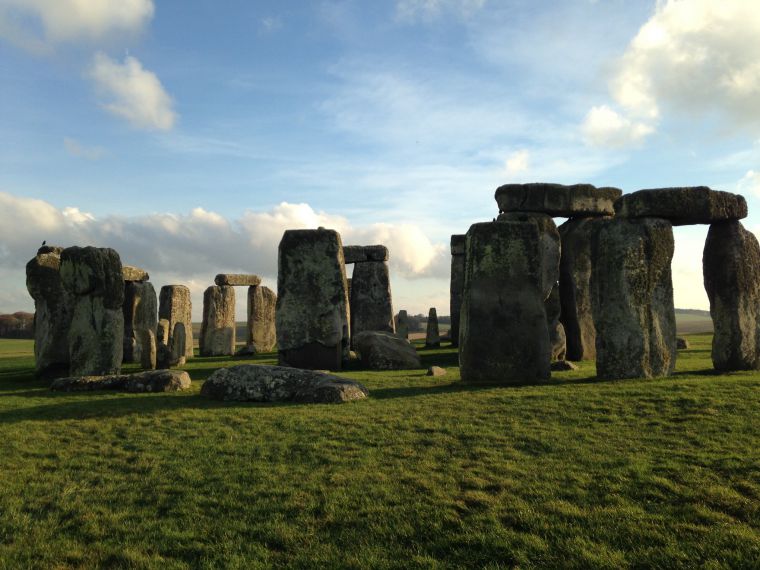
(132,273)
(557,199)
(385,351)
(436,371)
(237,280)
(149,381)
(682,343)
(683,206)
(258,383)
(362,253)
(563,366)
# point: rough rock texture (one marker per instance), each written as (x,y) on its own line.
(175,306)
(150,381)
(18,325)
(92,276)
(682,206)
(432,336)
(132,273)
(385,351)
(140,317)
(262,334)
(371,301)
(557,199)
(632,299)
(363,253)
(236,279)
(257,383)
(148,349)
(731,266)
(682,343)
(563,366)
(556,330)
(503,337)
(312,317)
(402,324)
(575,269)
(53,309)
(217,336)
(436,371)
(456,287)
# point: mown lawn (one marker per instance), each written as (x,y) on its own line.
(426,473)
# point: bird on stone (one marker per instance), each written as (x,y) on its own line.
(44,241)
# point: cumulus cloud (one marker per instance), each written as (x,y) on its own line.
(75,148)
(33,24)
(133,93)
(750,183)
(604,127)
(413,10)
(517,162)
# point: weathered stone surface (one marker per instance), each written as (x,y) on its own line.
(731,266)
(682,206)
(436,371)
(140,316)
(132,273)
(363,253)
(503,337)
(632,298)
(556,330)
(456,285)
(432,336)
(402,324)
(257,383)
(175,306)
(557,199)
(150,381)
(563,366)
(217,336)
(682,343)
(385,351)
(237,280)
(575,269)
(312,317)
(148,349)
(53,309)
(371,302)
(262,334)
(92,276)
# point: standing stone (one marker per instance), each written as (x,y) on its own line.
(575,286)
(175,306)
(179,345)
(731,265)
(262,334)
(371,303)
(432,336)
(503,335)
(402,324)
(456,287)
(632,298)
(312,317)
(218,328)
(140,315)
(556,330)
(148,349)
(93,278)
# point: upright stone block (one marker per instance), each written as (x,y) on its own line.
(262,334)
(731,265)
(557,338)
(503,335)
(140,315)
(402,324)
(432,335)
(632,298)
(371,303)
(93,277)
(53,309)
(175,306)
(218,326)
(456,286)
(312,316)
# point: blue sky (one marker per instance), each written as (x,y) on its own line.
(190,134)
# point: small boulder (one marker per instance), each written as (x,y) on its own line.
(682,343)
(385,351)
(149,381)
(436,371)
(563,365)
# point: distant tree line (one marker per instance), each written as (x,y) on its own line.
(418,323)
(17,325)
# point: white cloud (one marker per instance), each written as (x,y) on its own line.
(33,24)
(517,162)
(75,148)
(133,93)
(427,10)
(270,24)
(750,183)
(604,127)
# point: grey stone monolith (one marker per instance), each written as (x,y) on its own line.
(53,309)
(731,266)
(217,336)
(371,302)
(402,324)
(682,206)
(557,199)
(503,334)
(175,305)
(432,335)
(93,278)
(632,298)
(312,316)
(556,330)
(140,315)
(456,285)
(262,334)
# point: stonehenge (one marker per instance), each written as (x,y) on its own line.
(402,324)
(175,307)
(456,286)
(140,317)
(370,299)
(432,336)
(217,337)
(262,336)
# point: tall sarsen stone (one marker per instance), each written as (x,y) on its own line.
(175,306)
(217,336)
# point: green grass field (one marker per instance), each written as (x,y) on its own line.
(425,473)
